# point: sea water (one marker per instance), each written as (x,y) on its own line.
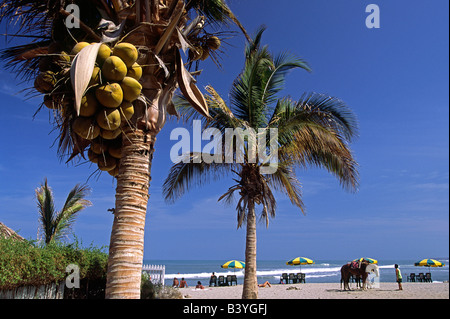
(323,271)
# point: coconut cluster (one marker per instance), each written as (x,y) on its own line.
(107,104)
(202,49)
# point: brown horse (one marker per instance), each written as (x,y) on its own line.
(358,271)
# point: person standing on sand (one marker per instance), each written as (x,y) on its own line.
(398,275)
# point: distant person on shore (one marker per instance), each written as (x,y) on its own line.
(265,284)
(183,283)
(199,285)
(398,276)
(176,283)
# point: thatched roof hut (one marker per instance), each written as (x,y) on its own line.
(7,232)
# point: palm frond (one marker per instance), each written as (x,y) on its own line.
(308,136)
(192,171)
(335,113)
(275,80)
(46,211)
(268,201)
(217,12)
(246,93)
(285,181)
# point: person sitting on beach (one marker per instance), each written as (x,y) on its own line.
(176,283)
(199,285)
(265,284)
(183,283)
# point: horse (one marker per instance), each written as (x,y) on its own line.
(357,269)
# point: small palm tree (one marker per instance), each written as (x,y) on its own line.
(54,226)
(313,131)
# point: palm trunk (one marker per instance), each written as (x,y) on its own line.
(250,290)
(127,236)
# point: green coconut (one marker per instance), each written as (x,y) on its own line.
(126,52)
(131,88)
(115,151)
(104,52)
(45,82)
(114,172)
(126,110)
(114,69)
(78,47)
(99,147)
(135,71)
(106,162)
(89,105)
(108,119)
(110,135)
(213,43)
(95,78)
(50,102)
(109,95)
(85,128)
(92,156)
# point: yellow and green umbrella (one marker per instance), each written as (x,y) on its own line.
(300,261)
(370,260)
(429,263)
(233,264)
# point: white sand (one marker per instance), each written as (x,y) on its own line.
(326,291)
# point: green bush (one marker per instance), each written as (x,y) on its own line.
(26,263)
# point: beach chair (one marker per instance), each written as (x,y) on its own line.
(428,277)
(221,281)
(302,278)
(284,276)
(421,277)
(228,280)
(213,281)
(412,277)
(292,278)
(233,279)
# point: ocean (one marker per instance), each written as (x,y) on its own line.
(323,271)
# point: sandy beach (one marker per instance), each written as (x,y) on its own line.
(326,291)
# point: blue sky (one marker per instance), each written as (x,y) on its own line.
(394,78)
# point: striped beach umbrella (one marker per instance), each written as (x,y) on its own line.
(370,260)
(233,264)
(429,263)
(300,261)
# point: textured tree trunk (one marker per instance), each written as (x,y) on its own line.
(250,290)
(127,236)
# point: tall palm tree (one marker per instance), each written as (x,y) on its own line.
(159,29)
(313,131)
(54,226)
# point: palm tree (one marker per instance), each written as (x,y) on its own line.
(54,226)
(158,29)
(313,131)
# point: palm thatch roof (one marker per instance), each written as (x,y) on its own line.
(7,232)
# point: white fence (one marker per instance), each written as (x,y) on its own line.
(156,273)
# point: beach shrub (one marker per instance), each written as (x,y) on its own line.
(24,263)
(150,290)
